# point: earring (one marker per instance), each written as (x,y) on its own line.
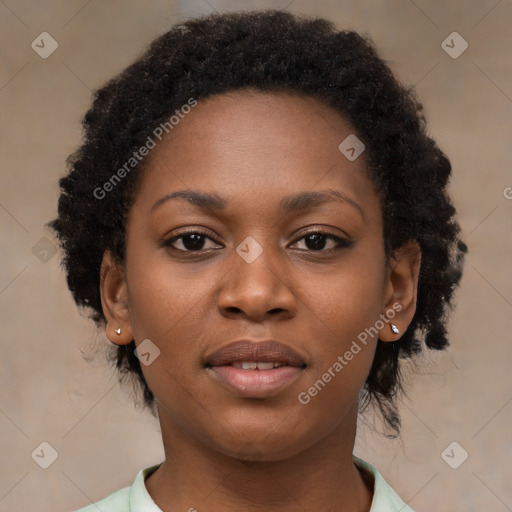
(395,329)
(118,331)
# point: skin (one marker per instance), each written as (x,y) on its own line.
(224,452)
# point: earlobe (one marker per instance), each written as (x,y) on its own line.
(114,300)
(401,290)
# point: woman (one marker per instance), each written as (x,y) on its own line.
(259,221)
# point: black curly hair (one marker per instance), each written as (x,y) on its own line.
(272,51)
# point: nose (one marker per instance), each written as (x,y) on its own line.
(257,290)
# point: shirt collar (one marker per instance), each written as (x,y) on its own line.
(140,499)
(385,499)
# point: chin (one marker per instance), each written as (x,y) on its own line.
(264,448)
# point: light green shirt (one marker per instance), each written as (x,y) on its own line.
(137,499)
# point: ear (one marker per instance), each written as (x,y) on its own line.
(114,300)
(401,288)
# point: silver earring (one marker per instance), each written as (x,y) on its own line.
(395,329)
(118,330)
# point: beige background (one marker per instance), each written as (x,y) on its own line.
(49,393)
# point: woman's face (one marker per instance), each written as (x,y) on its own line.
(248,267)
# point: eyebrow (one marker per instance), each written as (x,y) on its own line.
(301,201)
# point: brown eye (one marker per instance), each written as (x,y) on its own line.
(189,242)
(318,240)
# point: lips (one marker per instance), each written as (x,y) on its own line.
(255,369)
(249,351)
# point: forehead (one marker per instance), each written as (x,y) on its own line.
(248,144)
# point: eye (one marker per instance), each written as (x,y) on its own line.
(317,241)
(194,241)
(190,241)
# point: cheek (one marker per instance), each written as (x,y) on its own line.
(163,297)
(164,308)
(346,307)
(348,301)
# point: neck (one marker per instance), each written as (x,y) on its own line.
(321,477)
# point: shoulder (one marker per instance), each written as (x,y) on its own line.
(385,499)
(134,497)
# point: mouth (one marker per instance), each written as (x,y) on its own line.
(258,365)
(255,369)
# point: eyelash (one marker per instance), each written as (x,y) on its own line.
(342,242)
